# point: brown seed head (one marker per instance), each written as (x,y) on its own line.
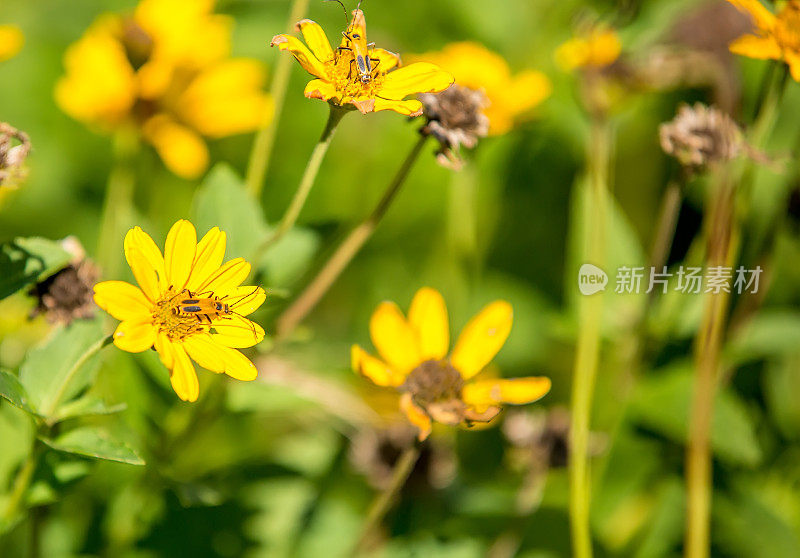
(700,135)
(14,148)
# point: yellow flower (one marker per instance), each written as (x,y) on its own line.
(777,36)
(477,68)
(436,387)
(189,305)
(380,87)
(166,70)
(11,41)
(598,47)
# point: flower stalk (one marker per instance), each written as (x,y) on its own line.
(118,206)
(347,250)
(309,176)
(383,501)
(264,142)
(588,344)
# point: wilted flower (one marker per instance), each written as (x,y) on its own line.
(436,387)
(165,71)
(776,37)
(14,148)
(189,305)
(11,41)
(595,47)
(701,135)
(377,85)
(509,96)
(67,295)
(375,452)
(455,118)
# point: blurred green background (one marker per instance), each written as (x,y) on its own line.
(267,468)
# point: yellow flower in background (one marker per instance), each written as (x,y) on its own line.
(479,69)
(370,83)
(189,305)
(11,41)
(166,70)
(436,387)
(597,47)
(776,37)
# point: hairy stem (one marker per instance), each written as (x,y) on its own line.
(261,153)
(346,251)
(588,344)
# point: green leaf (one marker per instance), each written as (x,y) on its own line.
(769,333)
(222,201)
(52,374)
(28,260)
(290,257)
(86,406)
(90,442)
(14,392)
(663,403)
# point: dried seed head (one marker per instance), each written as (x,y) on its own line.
(701,135)
(455,118)
(67,295)
(374,453)
(12,156)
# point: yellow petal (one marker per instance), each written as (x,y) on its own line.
(393,337)
(386,60)
(762,48)
(141,264)
(135,337)
(307,60)
(762,17)
(793,59)
(482,338)
(151,253)
(320,89)
(183,151)
(122,300)
(373,368)
(421,77)
(208,257)
(428,317)
(226,99)
(316,39)
(204,351)
(154,78)
(245,300)
(179,253)
(236,332)
(183,376)
(412,107)
(164,349)
(238,366)
(11,41)
(225,279)
(416,416)
(517,391)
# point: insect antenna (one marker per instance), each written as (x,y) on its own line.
(346,15)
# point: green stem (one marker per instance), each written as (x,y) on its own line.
(721,243)
(309,175)
(21,483)
(383,501)
(84,358)
(346,251)
(264,142)
(588,344)
(118,205)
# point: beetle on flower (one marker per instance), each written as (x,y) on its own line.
(157,313)
(372,84)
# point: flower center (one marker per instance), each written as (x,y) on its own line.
(787,27)
(435,385)
(168,318)
(343,72)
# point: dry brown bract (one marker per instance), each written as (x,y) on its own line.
(701,135)
(455,118)
(12,156)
